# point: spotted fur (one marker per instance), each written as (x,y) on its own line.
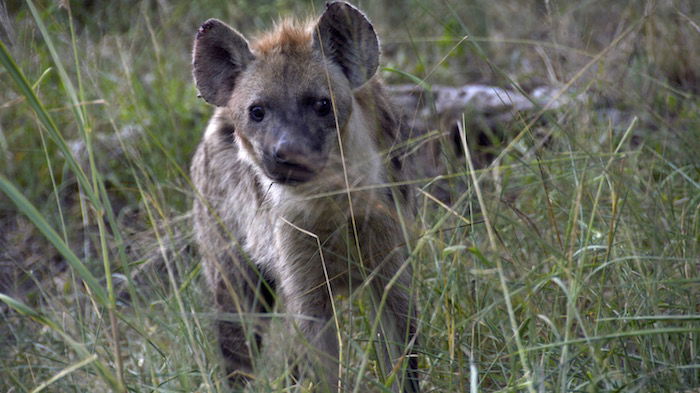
(270,170)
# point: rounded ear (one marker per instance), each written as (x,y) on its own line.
(345,36)
(220,54)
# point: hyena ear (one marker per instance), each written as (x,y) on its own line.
(346,37)
(220,54)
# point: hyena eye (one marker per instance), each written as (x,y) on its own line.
(322,106)
(257,113)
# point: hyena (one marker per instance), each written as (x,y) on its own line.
(293,203)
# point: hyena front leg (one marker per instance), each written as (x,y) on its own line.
(397,328)
(240,293)
(311,314)
(393,306)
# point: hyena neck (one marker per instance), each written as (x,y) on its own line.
(363,161)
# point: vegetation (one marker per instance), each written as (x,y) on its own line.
(571,262)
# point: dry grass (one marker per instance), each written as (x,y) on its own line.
(577,269)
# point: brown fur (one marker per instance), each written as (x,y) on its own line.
(255,213)
(288,36)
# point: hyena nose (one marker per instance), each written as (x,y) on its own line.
(293,154)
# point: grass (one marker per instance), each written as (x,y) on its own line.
(570,263)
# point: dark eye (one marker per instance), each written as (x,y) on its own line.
(322,106)
(257,113)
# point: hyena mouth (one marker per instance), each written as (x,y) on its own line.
(289,173)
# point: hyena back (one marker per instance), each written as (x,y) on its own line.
(301,119)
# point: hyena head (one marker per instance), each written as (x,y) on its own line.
(289,92)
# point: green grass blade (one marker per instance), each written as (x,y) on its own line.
(40,222)
(77,346)
(46,120)
(613,336)
(65,372)
(67,84)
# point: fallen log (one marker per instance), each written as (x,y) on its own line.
(434,115)
(492,101)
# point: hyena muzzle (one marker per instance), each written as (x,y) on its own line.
(293,202)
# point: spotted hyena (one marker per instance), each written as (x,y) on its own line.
(293,204)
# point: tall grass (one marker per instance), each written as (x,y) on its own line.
(570,263)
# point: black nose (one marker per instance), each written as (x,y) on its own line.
(288,152)
(283,153)
(291,163)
